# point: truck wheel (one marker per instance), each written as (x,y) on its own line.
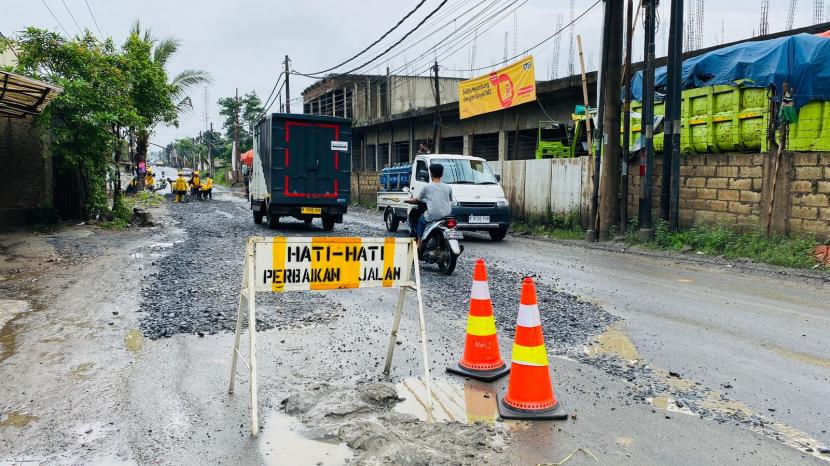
(273,220)
(328,223)
(392,222)
(498,235)
(258,216)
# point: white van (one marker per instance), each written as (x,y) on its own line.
(479,202)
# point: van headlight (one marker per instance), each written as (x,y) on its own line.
(502,202)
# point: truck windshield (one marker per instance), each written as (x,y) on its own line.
(464,171)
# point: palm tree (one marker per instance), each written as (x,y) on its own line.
(175,90)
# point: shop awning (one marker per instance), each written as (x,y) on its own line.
(21,96)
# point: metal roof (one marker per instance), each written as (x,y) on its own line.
(21,96)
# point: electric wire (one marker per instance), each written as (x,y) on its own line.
(94,21)
(423,34)
(55,17)
(280,76)
(577,18)
(375,58)
(411,12)
(10,47)
(80,29)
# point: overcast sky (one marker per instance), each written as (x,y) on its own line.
(242,43)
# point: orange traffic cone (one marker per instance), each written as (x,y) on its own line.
(481,359)
(529,389)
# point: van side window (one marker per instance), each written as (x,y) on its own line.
(421,173)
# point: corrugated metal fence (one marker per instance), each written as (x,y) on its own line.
(538,188)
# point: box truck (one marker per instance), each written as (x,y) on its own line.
(301,169)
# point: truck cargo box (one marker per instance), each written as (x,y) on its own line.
(305,162)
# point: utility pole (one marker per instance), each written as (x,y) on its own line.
(593,232)
(647,122)
(610,189)
(674,90)
(200,166)
(287,87)
(629,32)
(235,151)
(436,123)
(668,108)
(210,152)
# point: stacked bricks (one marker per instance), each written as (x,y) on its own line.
(364,187)
(730,189)
(809,194)
(714,188)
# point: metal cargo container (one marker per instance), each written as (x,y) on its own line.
(305,163)
(734,119)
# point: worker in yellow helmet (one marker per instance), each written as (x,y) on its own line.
(195,184)
(149,180)
(207,187)
(179,187)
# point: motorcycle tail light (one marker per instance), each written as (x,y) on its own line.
(451,223)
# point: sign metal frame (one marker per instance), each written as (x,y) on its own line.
(247,299)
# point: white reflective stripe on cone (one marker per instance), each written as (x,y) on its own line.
(529,315)
(480,290)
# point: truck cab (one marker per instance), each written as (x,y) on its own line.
(479,203)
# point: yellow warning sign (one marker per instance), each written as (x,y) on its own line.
(325,263)
(510,86)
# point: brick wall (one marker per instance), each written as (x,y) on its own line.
(364,187)
(26,172)
(734,189)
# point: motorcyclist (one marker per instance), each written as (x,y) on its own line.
(438,199)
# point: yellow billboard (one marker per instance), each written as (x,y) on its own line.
(510,86)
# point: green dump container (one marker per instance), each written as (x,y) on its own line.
(734,119)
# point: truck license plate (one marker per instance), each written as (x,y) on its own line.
(311,210)
(479,219)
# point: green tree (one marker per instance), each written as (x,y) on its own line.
(250,110)
(84,120)
(156,99)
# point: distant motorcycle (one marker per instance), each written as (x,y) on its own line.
(440,241)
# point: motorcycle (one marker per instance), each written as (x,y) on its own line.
(440,241)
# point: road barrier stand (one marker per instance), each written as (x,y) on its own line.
(481,359)
(529,389)
(281,264)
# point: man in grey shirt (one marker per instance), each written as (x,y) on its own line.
(438,198)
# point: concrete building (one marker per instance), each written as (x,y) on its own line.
(364,98)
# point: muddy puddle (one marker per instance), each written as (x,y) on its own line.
(133,340)
(17,419)
(614,342)
(11,310)
(284,440)
(452,402)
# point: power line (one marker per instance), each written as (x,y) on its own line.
(56,18)
(80,29)
(431,13)
(471,29)
(540,42)
(10,47)
(375,42)
(94,21)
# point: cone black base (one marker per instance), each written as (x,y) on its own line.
(556,413)
(484,376)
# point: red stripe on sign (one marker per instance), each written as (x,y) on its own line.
(526,90)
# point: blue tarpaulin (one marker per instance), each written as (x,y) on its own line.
(802,61)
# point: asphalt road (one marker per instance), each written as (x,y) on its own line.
(764,336)
(662,361)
